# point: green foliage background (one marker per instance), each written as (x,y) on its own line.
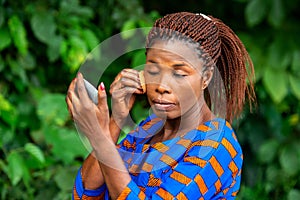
(43,43)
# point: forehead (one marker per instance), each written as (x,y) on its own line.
(174,51)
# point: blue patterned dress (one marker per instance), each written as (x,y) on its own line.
(204,163)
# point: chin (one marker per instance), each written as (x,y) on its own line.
(166,115)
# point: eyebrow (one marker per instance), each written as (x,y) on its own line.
(174,65)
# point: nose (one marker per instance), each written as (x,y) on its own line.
(163,85)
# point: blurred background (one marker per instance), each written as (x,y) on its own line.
(43,44)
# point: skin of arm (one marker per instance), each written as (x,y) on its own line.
(92,170)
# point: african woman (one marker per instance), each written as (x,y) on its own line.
(186,149)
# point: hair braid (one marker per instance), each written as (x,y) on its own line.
(217,45)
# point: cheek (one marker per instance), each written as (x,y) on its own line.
(190,92)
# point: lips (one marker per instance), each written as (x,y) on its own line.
(163,105)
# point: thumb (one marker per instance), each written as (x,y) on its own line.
(102,99)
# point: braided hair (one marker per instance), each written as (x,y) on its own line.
(218,46)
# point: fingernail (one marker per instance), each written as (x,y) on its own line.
(102,87)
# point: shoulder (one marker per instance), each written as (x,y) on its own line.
(215,139)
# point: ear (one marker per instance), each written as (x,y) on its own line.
(206,77)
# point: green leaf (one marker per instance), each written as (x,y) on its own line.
(15,171)
(53,50)
(293,194)
(6,135)
(52,109)
(92,43)
(18,34)
(139,59)
(35,151)
(295,61)
(18,70)
(278,55)
(64,178)
(65,143)
(27,61)
(268,151)
(277,13)
(77,53)
(2,64)
(5,38)
(276,82)
(126,31)
(90,38)
(43,26)
(2,17)
(255,12)
(289,160)
(8,112)
(295,85)
(273,176)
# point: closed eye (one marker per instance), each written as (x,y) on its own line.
(177,75)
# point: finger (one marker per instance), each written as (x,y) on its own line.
(124,83)
(131,74)
(123,92)
(81,90)
(69,104)
(72,85)
(102,99)
(72,102)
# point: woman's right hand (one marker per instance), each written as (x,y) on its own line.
(123,90)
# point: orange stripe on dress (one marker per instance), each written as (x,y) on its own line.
(128,145)
(216,166)
(141,195)
(150,123)
(216,124)
(164,194)
(234,169)
(147,167)
(203,128)
(225,190)
(201,184)
(228,125)
(184,142)
(234,136)
(196,161)
(181,178)
(124,194)
(160,147)
(234,193)
(168,160)
(229,147)
(93,198)
(218,186)
(206,143)
(143,189)
(76,197)
(134,169)
(153,182)
(181,196)
(145,147)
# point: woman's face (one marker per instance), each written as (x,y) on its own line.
(173,79)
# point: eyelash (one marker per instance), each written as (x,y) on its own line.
(179,75)
(174,74)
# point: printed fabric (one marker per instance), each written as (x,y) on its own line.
(204,163)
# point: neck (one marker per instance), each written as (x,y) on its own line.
(178,126)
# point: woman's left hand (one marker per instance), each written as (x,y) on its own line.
(92,120)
